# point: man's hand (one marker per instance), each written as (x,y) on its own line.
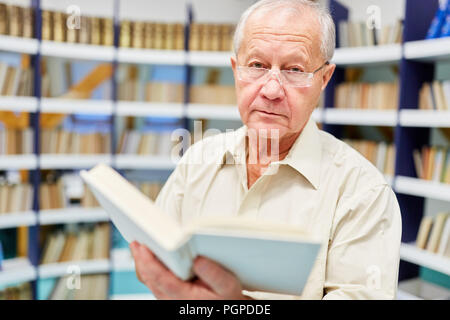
(212,282)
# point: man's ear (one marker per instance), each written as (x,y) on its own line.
(233,64)
(327,75)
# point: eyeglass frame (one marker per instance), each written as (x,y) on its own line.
(268,71)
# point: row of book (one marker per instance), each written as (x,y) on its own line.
(15,81)
(433,163)
(77,243)
(15,141)
(360,34)
(150,35)
(16,21)
(15,197)
(146,143)
(356,95)
(380,154)
(58,141)
(83,29)
(211,37)
(21,291)
(434,234)
(440,25)
(92,287)
(164,92)
(435,96)
(52,195)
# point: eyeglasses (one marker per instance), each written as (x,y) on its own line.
(296,79)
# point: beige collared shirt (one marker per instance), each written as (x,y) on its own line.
(323,186)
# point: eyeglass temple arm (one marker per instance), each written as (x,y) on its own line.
(325,64)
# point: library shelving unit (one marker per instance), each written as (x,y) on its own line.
(416,59)
(414,56)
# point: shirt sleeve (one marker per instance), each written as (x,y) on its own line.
(364,249)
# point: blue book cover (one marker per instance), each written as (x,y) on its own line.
(438,22)
(445,32)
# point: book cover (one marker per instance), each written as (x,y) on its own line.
(251,249)
(438,21)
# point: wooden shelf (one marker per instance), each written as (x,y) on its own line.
(211,111)
(72,215)
(53,270)
(18,104)
(425,118)
(17,162)
(127,161)
(374,55)
(364,117)
(142,109)
(16,219)
(73,161)
(56,105)
(428,50)
(149,56)
(77,51)
(409,252)
(209,58)
(17,270)
(18,44)
(422,188)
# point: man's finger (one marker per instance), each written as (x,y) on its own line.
(157,277)
(216,277)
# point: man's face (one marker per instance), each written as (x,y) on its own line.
(280,40)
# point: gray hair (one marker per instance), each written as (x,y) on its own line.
(326,21)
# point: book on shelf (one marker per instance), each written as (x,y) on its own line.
(240,245)
(438,26)
(15,198)
(435,96)
(211,37)
(15,81)
(434,234)
(21,291)
(92,30)
(380,154)
(16,141)
(151,35)
(433,163)
(377,96)
(60,141)
(146,143)
(91,287)
(213,94)
(358,34)
(16,21)
(77,243)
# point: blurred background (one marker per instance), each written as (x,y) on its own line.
(83,82)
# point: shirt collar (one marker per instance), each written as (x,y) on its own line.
(305,155)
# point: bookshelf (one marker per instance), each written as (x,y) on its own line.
(16,219)
(428,50)
(55,270)
(72,215)
(409,252)
(414,57)
(18,104)
(389,54)
(19,44)
(17,270)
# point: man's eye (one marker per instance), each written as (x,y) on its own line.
(257,65)
(295,69)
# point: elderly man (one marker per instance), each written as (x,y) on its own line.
(311,180)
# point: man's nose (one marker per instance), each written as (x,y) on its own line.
(273,88)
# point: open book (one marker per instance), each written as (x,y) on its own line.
(264,256)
